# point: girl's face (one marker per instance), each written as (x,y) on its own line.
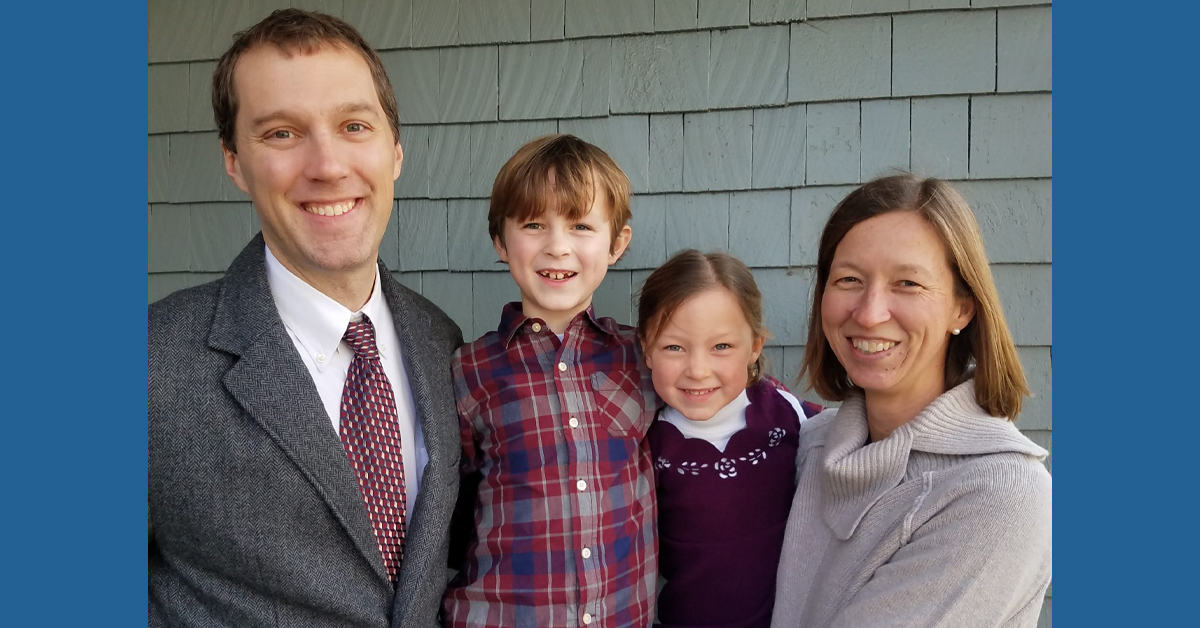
(700,360)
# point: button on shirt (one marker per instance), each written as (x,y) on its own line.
(564,515)
(316,324)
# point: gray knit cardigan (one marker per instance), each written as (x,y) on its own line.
(944,523)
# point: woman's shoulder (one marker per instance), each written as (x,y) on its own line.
(814,431)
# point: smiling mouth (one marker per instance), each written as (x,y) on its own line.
(871,346)
(697,392)
(557,276)
(330,209)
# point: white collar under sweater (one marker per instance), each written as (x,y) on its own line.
(855,474)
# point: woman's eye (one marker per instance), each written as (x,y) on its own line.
(846,280)
(909,284)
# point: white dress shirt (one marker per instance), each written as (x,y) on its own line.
(316,324)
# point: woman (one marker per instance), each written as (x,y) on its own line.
(919,503)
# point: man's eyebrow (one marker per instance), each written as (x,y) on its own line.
(343,109)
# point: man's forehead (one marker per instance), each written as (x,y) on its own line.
(259,66)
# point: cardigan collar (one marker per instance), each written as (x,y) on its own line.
(855,474)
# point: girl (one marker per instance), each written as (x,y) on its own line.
(724,446)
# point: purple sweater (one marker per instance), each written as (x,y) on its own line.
(721,515)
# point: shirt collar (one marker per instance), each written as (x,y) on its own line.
(514,321)
(724,422)
(317,321)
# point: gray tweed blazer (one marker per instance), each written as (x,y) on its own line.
(255,517)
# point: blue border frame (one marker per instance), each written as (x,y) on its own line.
(75,122)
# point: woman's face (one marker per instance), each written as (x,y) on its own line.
(889,307)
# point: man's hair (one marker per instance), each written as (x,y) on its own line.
(294,31)
(687,274)
(561,172)
(984,349)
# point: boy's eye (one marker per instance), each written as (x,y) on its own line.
(532,225)
(582,227)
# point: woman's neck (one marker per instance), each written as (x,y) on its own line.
(886,413)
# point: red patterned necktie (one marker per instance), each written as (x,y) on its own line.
(370,433)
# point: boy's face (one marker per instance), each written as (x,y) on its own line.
(558,263)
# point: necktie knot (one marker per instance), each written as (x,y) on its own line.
(360,335)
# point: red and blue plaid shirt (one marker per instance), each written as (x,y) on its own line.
(564,514)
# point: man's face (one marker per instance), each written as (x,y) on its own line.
(317,157)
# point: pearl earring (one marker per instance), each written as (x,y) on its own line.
(956,331)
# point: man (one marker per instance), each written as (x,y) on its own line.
(303,447)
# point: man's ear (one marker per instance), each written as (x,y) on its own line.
(399,160)
(620,244)
(233,168)
(500,249)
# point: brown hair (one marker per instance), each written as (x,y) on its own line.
(560,171)
(688,273)
(294,31)
(984,350)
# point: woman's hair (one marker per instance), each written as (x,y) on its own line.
(984,349)
(687,274)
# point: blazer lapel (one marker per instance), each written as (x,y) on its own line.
(272,384)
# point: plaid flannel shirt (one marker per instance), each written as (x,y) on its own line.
(564,514)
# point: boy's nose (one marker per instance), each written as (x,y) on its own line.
(557,243)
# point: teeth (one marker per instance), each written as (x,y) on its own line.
(336,209)
(872,346)
(698,393)
(556,276)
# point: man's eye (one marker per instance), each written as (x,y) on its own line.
(281,134)
(355,127)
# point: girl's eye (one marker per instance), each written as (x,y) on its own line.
(672,348)
(722,346)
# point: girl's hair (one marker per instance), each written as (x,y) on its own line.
(687,274)
(984,350)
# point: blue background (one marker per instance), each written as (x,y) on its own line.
(1125,159)
(74,308)
(1125,276)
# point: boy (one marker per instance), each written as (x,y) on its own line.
(553,410)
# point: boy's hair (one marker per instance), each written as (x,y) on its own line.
(687,274)
(984,350)
(561,172)
(294,31)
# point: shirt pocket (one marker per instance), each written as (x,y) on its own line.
(623,404)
